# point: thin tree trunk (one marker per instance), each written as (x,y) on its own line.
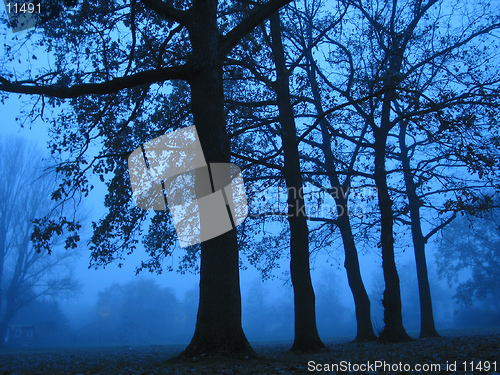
(218,326)
(393,319)
(427,326)
(361,300)
(306,332)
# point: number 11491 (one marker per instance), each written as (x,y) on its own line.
(479,366)
(23,8)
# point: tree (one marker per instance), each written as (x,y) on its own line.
(306,332)
(393,73)
(472,243)
(132,49)
(367,65)
(282,151)
(338,190)
(278,114)
(449,132)
(26,274)
(456,192)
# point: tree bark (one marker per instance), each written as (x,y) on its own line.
(427,326)
(306,332)
(218,327)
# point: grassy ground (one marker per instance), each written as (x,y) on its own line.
(480,347)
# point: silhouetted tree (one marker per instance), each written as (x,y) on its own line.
(394,74)
(306,332)
(131,50)
(308,35)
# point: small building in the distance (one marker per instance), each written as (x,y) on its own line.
(20,335)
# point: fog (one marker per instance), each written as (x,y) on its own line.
(114,306)
(117,308)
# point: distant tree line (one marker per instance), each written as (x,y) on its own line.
(140,312)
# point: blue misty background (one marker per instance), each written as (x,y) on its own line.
(117,307)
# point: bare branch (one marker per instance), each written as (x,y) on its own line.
(107,87)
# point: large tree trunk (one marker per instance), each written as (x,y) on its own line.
(339,193)
(306,332)
(427,326)
(393,319)
(218,326)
